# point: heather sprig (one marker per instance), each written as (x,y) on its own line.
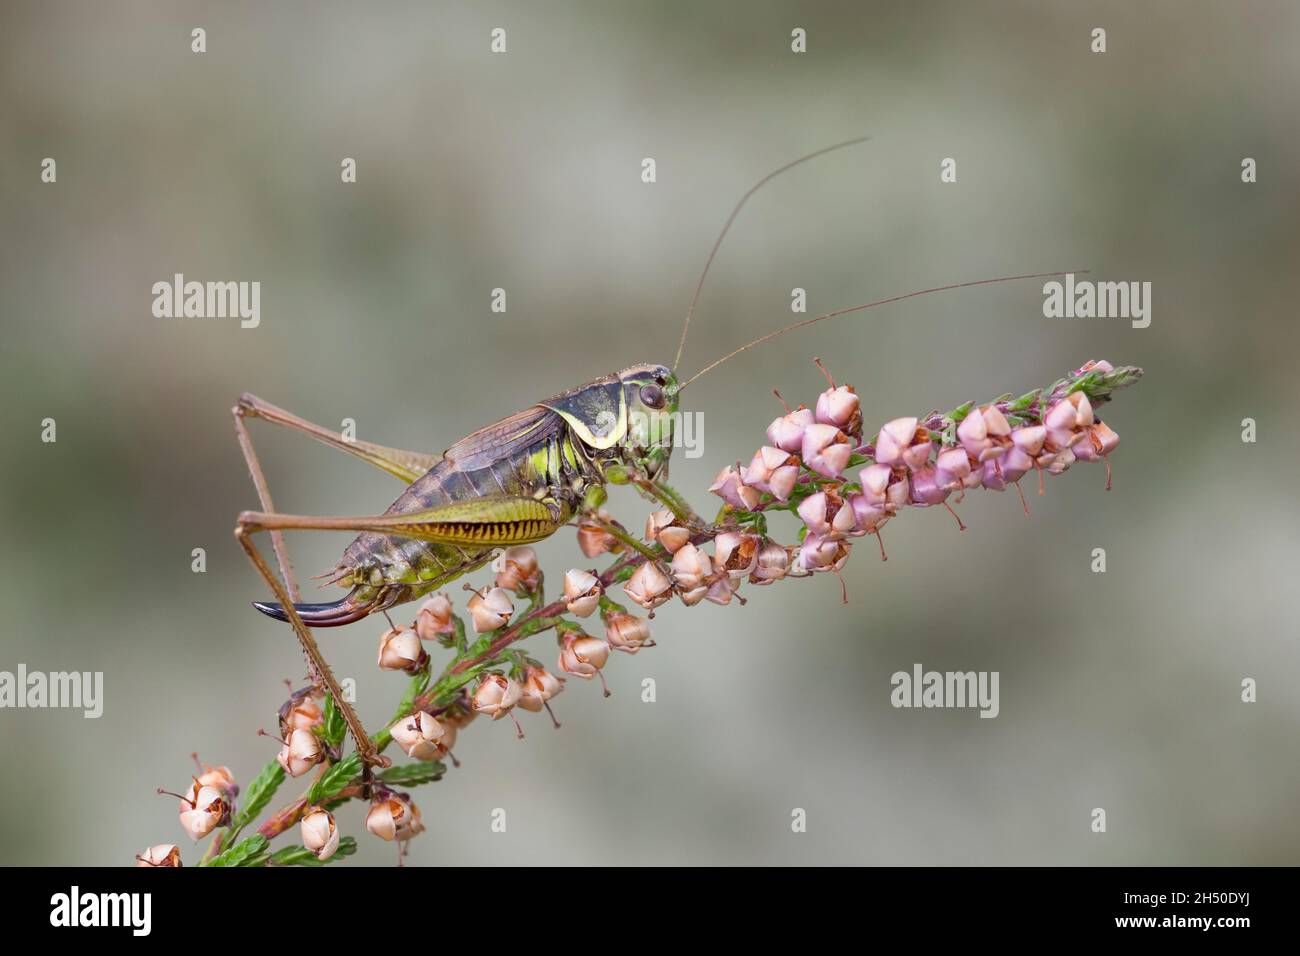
(839,483)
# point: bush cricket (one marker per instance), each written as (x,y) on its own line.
(514,482)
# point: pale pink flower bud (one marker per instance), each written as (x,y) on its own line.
(420,735)
(301,751)
(208,811)
(690,567)
(626,632)
(434,618)
(730,488)
(399,649)
(885,486)
(826,450)
(163,855)
(1029,439)
(772,564)
(319,834)
(582,592)
(593,539)
(1099,365)
(787,431)
(825,514)
(736,553)
(838,406)
(1099,441)
(982,430)
(662,526)
(583,655)
(517,569)
(300,712)
(773,470)
(822,554)
(395,817)
(902,442)
(925,488)
(219,777)
(721,589)
(952,467)
(694,596)
(496,695)
(539,686)
(649,586)
(490,611)
(868,516)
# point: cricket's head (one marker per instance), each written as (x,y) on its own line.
(650,396)
(628,416)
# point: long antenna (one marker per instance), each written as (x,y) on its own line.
(871,305)
(732,218)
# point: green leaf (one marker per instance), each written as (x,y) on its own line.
(259,794)
(334,726)
(413,774)
(301,856)
(333,780)
(244,853)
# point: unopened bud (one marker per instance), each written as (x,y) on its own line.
(319,834)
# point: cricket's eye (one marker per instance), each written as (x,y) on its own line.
(652,396)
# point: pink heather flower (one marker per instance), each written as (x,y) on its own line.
(594,540)
(721,589)
(772,564)
(1059,462)
(662,526)
(582,592)
(434,617)
(583,655)
(838,406)
(1099,441)
(207,810)
(980,431)
(539,686)
(735,553)
(787,431)
(399,649)
(822,554)
(1100,365)
(626,632)
(868,516)
(319,834)
(649,586)
(162,855)
(1066,418)
(517,569)
(903,442)
(730,488)
(690,567)
(773,470)
(301,752)
(925,488)
(491,610)
(884,486)
(420,735)
(395,817)
(826,450)
(827,515)
(952,468)
(496,695)
(694,596)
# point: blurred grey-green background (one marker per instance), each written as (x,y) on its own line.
(475,171)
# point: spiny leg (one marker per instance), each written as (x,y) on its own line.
(406,465)
(320,667)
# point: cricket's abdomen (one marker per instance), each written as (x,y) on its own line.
(530,455)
